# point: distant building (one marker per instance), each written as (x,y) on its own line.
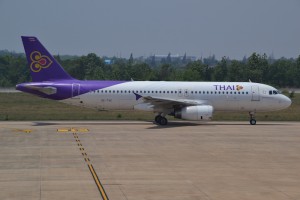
(108,61)
(159,58)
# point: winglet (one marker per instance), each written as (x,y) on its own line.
(43,67)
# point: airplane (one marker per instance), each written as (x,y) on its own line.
(195,101)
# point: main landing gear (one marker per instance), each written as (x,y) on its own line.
(161,120)
(252,120)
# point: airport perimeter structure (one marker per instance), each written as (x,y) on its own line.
(139,160)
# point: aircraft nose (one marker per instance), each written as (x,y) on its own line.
(285,101)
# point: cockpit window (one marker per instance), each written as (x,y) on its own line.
(274,92)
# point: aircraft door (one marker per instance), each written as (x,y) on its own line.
(255,93)
(75,90)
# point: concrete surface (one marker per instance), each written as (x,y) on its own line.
(139,161)
(8,90)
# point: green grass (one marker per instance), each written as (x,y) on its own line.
(21,106)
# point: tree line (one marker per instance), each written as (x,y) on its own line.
(257,68)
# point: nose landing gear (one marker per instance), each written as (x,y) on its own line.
(252,118)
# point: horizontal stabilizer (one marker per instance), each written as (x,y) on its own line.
(45,90)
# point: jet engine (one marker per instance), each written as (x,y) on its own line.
(202,112)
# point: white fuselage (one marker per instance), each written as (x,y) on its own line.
(222,96)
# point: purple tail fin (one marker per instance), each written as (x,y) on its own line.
(43,67)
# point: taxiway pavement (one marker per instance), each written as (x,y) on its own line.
(139,160)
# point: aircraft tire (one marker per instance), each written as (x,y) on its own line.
(157,119)
(252,121)
(163,121)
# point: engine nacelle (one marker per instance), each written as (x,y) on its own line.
(196,113)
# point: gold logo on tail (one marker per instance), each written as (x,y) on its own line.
(39,61)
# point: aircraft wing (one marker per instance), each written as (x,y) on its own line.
(171,103)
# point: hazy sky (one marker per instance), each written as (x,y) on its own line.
(231,28)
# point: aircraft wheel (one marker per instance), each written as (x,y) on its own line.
(163,121)
(252,121)
(157,119)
